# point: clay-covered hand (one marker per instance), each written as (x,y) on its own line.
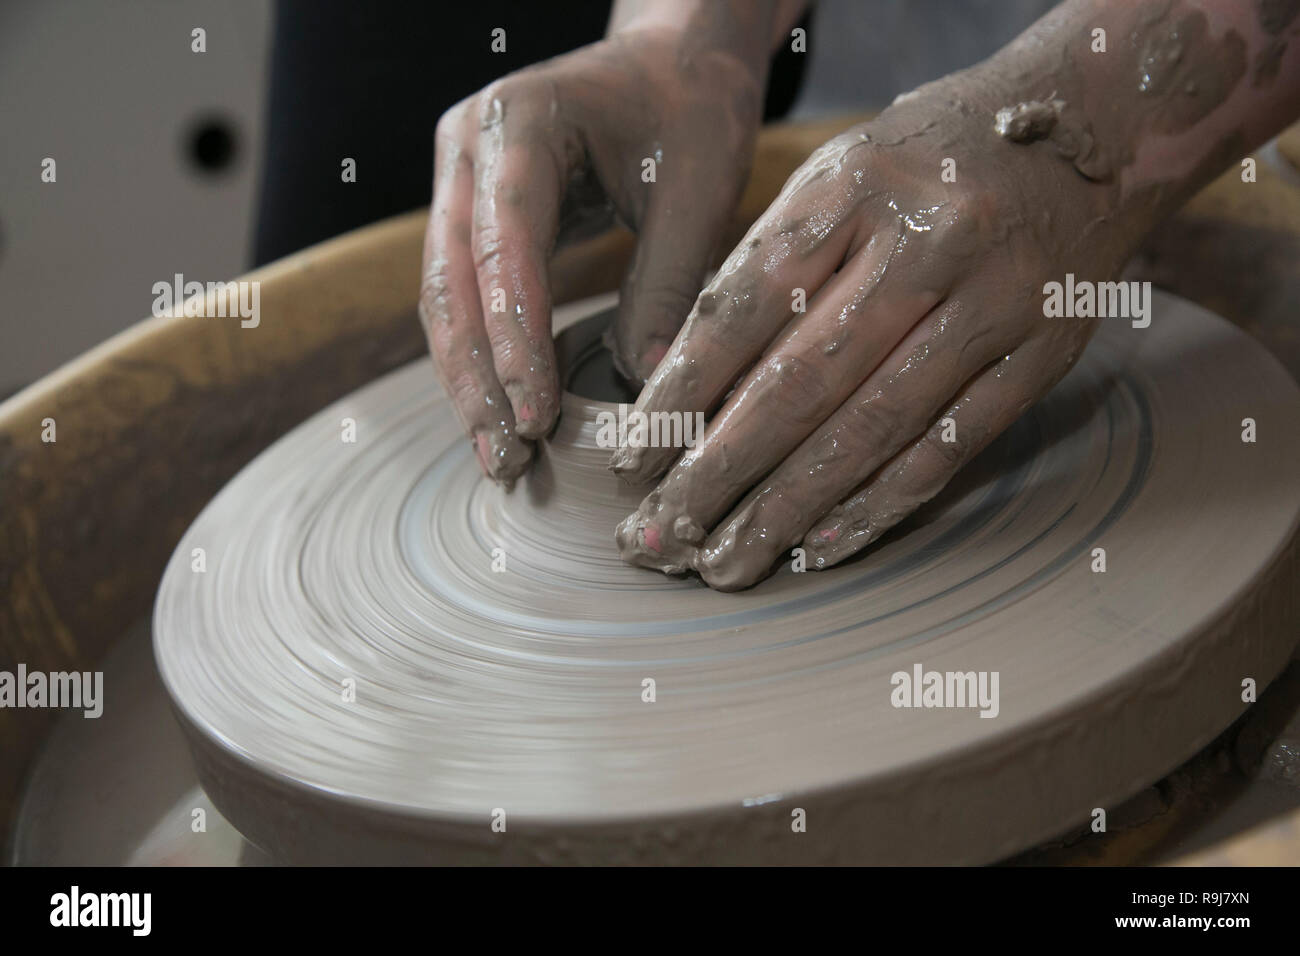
(920,247)
(653,124)
(878,326)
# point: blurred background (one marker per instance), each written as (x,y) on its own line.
(159,150)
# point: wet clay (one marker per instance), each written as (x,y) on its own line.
(435,656)
(1176,72)
(864,227)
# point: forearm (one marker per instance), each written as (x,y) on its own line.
(1182,88)
(748,29)
(1263,41)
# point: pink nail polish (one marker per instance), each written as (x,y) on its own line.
(653,356)
(651,535)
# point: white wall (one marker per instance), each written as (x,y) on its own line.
(108,90)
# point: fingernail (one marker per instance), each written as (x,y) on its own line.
(532,418)
(527,424)
(641,542)
(502,456)
(822,545)
(650,535)
(650,359)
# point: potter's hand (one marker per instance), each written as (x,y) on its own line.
(656,123)
(924,312)
(923,243)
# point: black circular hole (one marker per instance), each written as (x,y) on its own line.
(586,367)
(212,145)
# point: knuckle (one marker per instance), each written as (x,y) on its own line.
(665,296)
(450,143)
(498,98)
(489,247)
(466,390)
(449,122)
(839,149)
(952,452)
(838,162)
(879,422)
(890,509)
(435,296)
(450,128)
(799,380)
(850,512)
(977,212)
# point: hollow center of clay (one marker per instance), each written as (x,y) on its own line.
(586,365)
(569,495)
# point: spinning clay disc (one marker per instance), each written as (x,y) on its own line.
(387,658)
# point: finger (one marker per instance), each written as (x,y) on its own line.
(984,409)
(676,241)
(858,320)
(517,195)
(450,312)
(896,403)
(797,244)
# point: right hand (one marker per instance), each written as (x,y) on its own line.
(505,158)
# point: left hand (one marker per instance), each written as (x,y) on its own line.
(924,338)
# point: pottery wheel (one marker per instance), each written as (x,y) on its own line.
(502,715)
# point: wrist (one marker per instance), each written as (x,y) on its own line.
(740,34)
(1148,98)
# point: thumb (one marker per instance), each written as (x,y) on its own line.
(676,243)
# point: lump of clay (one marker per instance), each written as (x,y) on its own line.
(1027,122)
